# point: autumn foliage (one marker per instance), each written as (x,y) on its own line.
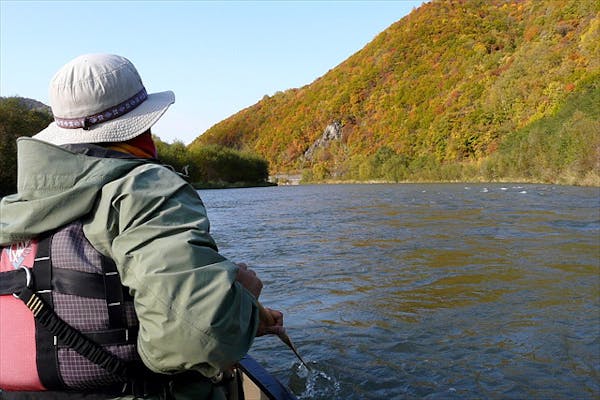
(470,89)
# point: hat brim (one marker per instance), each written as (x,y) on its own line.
(126,127)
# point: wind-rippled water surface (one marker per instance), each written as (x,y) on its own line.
(431,291)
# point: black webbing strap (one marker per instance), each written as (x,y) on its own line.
(67,281)
(111,337)
(46,350)
(82,284)
(114,294)
(46,317)
(78,283)
(12,281)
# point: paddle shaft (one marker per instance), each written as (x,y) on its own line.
(268,318)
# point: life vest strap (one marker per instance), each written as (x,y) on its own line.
(47,355)
(13,281)
(77,283)
(71,337)
(113,292)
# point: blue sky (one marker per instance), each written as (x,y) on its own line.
(217,56)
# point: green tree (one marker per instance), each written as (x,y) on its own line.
(214,163)
(174,155)
(16,120)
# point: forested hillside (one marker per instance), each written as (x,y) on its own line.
(470,89)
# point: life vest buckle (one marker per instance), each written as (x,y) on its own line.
(28,279)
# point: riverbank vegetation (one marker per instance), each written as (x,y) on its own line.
(212,166)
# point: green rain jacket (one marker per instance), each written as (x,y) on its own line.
(193,314)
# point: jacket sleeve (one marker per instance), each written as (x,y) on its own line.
(192,312)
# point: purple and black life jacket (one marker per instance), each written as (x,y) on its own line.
(66,321)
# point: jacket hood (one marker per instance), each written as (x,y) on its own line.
(56,186)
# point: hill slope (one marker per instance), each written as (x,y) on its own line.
(29,104)
(445,86)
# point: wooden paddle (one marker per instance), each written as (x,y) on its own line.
(266,316)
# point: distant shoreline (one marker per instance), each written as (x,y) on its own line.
(383,182)
(227,185)
(501,181)
(594,182)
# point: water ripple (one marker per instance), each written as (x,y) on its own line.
(424,291)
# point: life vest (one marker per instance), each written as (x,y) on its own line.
(73,324)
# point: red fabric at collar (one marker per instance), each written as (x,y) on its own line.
(145,143)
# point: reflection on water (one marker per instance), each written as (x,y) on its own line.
(425,291)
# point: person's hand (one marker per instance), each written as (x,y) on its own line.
(249,280)
(271,322)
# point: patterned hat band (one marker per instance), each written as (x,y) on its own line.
(104,116)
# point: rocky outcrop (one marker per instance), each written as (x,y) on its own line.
(331,133)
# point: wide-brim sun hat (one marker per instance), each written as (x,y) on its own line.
(99,98)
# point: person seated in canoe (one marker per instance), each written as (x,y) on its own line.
(111,284)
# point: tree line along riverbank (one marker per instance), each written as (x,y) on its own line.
(563,148)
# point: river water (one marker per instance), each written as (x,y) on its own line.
(433,291)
